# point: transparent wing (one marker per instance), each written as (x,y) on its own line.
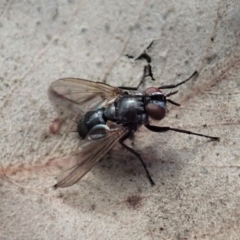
(98,142)
(78,95)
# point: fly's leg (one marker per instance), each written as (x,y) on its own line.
(121,141)
(178,84)
(165,129)
(147,70)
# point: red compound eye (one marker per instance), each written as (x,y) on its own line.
(151,90)
(155,111)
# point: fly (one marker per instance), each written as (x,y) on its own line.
(107,115)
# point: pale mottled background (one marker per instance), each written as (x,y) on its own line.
(197,182)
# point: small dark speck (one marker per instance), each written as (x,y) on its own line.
(211,58)
(55,15)
(199,28)
(217,154)
(161,229)
(137,26)
(134,27)
(204,171)
(129,56)
(60,195)
(134,201)
(204,125)
(56,41)
(93,207)
(48,37)
(212,39)
(38,23)
(107,27)
(99,64)
(83,30)
(22,190)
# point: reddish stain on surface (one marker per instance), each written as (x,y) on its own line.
(55,126)
(134,201)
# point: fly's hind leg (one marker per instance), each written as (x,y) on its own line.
(165,129)
(121,141)
(147,70)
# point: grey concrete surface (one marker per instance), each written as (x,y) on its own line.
(197,192)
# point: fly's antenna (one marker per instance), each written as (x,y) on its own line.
(171,93)
(171,101)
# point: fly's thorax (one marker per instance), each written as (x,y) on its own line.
(90,120)
(125,109)
(155,103)
(110,112)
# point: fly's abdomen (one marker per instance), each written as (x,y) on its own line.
(90,120)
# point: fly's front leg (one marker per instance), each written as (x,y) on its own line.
(165,129)
(178,84)
(147,70)
(121,141)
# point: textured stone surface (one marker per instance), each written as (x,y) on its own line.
(197,182)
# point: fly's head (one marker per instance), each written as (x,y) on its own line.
(156,103)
